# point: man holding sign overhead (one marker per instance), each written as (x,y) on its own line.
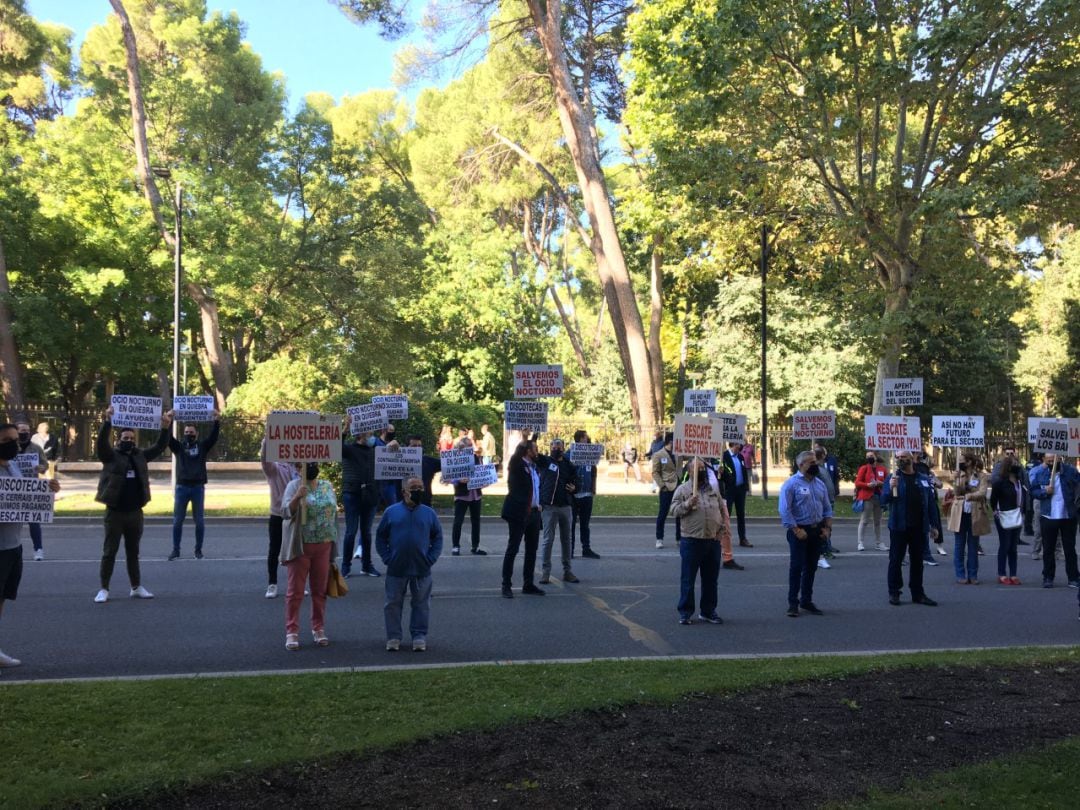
(11,531)
(191,481)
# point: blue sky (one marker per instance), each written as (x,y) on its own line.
(309,41)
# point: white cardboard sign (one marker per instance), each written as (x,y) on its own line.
(193,409)
(405,462)
(295,436)
(26,500)
(537,381)
(897,392)
(813,425)
(457,464)
(526,416)
(1033,426)
(586,455)
(957,431)
(699,400)
(732,425)
(366,418)
(891,433)
(696,435)
(140,413)
(396,405)
(484,475)
(27,464)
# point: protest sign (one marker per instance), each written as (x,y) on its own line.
(891,433)
(733,426)
(537,381)
(901,391)
(699,401)
(1052,437)
(140,413)
(293,436)
(526,416)
(813,425)
(698,435)
(366,418)
(1033,425)
(483,475)
(26,500)
(586,455)
(27,464)
(396,405)
(193,409)
(957,431)
(405,462)
(457,464)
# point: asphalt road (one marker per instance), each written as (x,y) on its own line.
(210,615)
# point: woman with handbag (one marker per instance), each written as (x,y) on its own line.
(309,507)
(1007,496)
(969,518)
(869,481)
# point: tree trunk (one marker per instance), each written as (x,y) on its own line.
(605,245)
(900,274)
(656,315)
(10,366)
(220,363)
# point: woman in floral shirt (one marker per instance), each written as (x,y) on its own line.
(309,507)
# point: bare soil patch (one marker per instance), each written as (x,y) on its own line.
(793,746)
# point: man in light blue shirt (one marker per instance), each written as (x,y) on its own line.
(806,513)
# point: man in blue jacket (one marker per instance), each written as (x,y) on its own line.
(910,522)
(1055,490)
(191,483)
(409,541)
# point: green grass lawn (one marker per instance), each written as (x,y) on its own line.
(225,504)
(93,742)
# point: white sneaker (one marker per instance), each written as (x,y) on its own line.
(823,563)
(39,554)
(7,661)
(861,547)
(940,547)
(102,596)
(881,547)
(359,554)
(141,593)
(659,543)
(271,591)
(419,645)
(393,644)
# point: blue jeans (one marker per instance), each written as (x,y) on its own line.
(390,492)
(420,588)
(359,513)
(185,494)
(1007,545)
(965,543)
(665,507)
(803,566)
(703,556)
(35,535)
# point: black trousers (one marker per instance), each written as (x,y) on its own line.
(581,515)
(1066,531)
(274,552)
(527,529)
(460,508)
(912,542)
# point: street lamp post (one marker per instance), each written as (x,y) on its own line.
(178,234)
(764,374)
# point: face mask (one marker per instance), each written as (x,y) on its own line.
(8,450)
(812,470)
(556,454)
(191,440)
(312,472)
(702,477)
(869,459)
(370,441)
(415,495)
(126,446)
(389,437)
(24,437)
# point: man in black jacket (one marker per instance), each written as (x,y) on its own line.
(736,480)
(521,511)
(191,483)
(558,483)
(360,495)
(124,488)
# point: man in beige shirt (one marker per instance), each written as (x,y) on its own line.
(697,505)
(666,477)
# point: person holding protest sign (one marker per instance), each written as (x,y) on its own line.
(360,496)
(409,541)
(697,505)
(558,483)
(869,484)
(124,488)
(521,511)
(582,502)
(466,500)
(736,478)
(1007,496)
(11,533)
(969,518)
(1055,486)
(388,490)
(429,467)
(910,497)
(665,473)
(191,482)
(278,476)
(28,447)
(922,465)
(806,513)
(309,509)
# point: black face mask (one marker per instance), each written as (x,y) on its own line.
(870,459)
(191,440)
(125,446)
(812,470)
(24,438)
(8,450)
(415,495)
(556,454)
(389,437)
(312,471)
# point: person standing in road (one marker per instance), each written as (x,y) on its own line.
(309,507)
(558,483)
(969,518)
(27,445)
(582,502)
(697,505)
(1008,494)
(11,533)
(278,476)
(124,488)
(806,513)
(409,541)
(466,500)
(665,475)
(869,484)
(191,483)
(910,522)
(1056,493)
(360,495)
(736,478)
(521,511)
(389,491)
